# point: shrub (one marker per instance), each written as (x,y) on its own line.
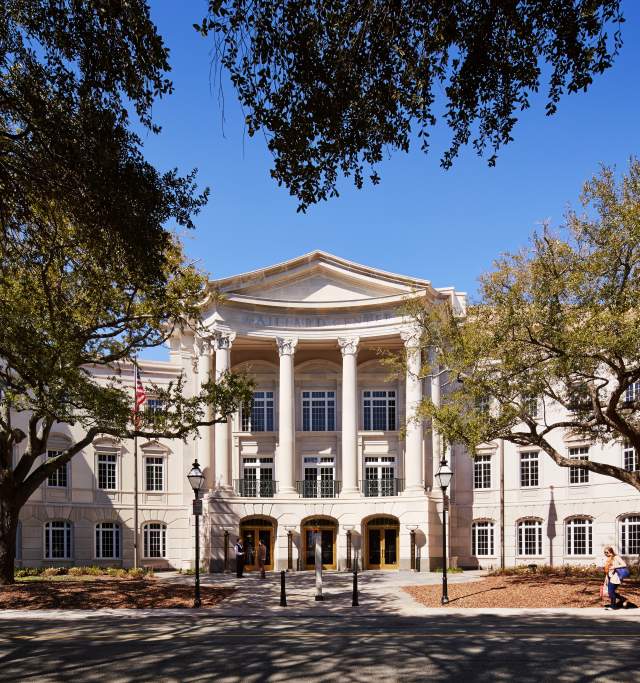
(562,571)
(76,571)
(94,571)
(28,571)
(136,573)
(54,571)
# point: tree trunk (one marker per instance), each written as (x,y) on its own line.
(8,529)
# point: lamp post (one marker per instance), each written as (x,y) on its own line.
(443,477)
(196,479)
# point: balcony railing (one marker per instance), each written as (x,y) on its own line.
(250,488)
(325,488)
(373,488)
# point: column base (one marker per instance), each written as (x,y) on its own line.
(350,493)
(286,492)
(414,490)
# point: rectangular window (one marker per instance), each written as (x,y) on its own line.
(579,475)
(257,479)
(530,537)
(630,535)
(380,475)
(530,405)
(579,537)
(154,473)
(154,406)
(319,477)
(482,472)
(379,410)
(631,460)
(108,541)
(632,392)
(483,404)
(59,478)
(318,411)
(529,473)
(260,417)
(482,539)
(155,540)
(57,541)
(107,463)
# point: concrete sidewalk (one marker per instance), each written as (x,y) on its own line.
(380,596)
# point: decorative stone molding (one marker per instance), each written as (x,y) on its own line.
(348,345)
(222,341)
(286,345)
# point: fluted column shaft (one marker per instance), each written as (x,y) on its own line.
(204,443)
(222,344)
(286,437)
(349,349)
(413,443)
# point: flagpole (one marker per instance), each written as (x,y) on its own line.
(135,468)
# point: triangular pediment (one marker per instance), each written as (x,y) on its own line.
(319,278)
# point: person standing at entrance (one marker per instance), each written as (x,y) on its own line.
(239,549)
(262,558)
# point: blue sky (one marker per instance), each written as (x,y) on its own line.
(445,226)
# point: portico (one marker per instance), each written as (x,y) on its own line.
(329,432)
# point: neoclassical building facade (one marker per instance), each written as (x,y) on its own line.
(328,446)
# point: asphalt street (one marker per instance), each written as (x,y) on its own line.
(451,646)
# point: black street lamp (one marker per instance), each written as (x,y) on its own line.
(443,477)
(196,479)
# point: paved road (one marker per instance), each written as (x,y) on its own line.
(387,638)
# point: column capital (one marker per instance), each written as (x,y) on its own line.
(348,345)
(411,337)
(286,345)
(222,340)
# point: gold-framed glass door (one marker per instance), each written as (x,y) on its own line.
(253,531)
(327,530)
(382,540)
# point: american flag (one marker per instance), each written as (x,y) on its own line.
(140,393)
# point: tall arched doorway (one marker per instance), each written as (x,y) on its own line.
(253,530)
(382,543)
(327,527)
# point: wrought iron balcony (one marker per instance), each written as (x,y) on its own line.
(250,488)
(373,488)
(325,488)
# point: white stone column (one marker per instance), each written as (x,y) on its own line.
(436,445)
(349,349)
(222,344)
(285,459)
(413,442)
(202,363)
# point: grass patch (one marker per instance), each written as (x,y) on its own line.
(450,570)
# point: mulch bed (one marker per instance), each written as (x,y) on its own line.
(522,591)
(106,593)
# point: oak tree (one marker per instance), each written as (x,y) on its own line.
(552,347)
(335,84)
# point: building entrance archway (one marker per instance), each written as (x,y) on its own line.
(328,528)
(382,543)
(253,530)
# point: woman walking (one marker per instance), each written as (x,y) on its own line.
(615,569)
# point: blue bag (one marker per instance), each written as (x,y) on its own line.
(623,572)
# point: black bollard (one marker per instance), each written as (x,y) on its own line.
(283,593)
(354,599)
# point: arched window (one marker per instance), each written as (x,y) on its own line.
(57,540)
(579,536)
(530,537)
(108,541)
(155,540)
(482,539)
(630,535)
